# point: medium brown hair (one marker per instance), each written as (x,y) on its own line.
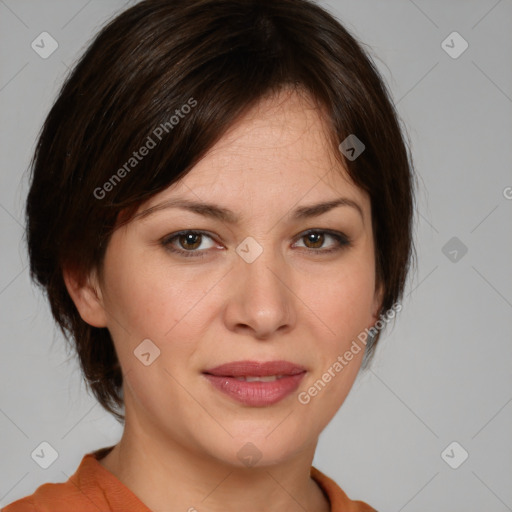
(224,55)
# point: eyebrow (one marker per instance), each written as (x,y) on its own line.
(223,214)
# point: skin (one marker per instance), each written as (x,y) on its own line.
(181,437)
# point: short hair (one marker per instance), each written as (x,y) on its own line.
(173,76)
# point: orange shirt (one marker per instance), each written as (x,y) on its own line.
(92,488)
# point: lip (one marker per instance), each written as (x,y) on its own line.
(256,393)
(256,369)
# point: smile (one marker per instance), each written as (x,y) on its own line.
(256,384)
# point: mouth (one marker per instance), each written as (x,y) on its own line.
(268,378)
(256,384)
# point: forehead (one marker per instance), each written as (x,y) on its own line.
(274,155)
(282,132)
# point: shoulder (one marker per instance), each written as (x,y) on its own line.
(22,505)
(339,501)
(80,493)
(54,497)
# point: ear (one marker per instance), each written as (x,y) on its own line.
(377,302)
(87,296)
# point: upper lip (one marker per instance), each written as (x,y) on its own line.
(256,369)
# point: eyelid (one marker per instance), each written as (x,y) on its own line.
(332,232)
(342,241)
(166,242)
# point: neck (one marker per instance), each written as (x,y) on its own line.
(167,475)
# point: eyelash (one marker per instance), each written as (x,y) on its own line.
(341,239)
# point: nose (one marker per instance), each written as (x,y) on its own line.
(262,302)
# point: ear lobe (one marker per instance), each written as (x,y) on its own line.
(87,296)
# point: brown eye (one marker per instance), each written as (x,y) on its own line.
(315,239)
(190,240)
(188,243)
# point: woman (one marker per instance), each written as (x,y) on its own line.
(220,213)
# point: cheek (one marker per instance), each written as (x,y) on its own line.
(137,292)
(150,298)
(163,301)
(344,310)
(342,299)
(146,300)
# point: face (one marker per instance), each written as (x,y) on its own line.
(263,278)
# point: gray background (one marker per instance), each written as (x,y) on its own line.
(441,374)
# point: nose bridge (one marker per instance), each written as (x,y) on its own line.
(262,301)
(261,263)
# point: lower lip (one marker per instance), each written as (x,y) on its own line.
(257,393)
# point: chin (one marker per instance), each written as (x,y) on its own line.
(256,449)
